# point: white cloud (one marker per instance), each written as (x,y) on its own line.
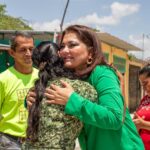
(94,19)
(46,26)
(143,44)
(118,12)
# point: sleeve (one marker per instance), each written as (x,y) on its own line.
(85,89)
(108,112)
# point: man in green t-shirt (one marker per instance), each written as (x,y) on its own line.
(14,85)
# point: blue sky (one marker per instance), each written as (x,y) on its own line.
(126,19)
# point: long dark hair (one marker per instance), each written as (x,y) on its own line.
(50,66)
(90,39)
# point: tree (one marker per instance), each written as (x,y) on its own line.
(11,23)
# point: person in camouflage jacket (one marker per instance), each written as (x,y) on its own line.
(49,128)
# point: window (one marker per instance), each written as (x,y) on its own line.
(106,55)
(119,63)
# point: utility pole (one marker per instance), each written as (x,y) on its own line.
(143,38)
(62,21)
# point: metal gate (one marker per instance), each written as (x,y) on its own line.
(134,88)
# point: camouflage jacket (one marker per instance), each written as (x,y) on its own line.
(56,129)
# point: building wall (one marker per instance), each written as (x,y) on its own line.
(5,60)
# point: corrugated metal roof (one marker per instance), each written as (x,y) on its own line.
(42,35)
(30,31)
(114,41)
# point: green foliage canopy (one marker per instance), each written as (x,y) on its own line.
(11,23)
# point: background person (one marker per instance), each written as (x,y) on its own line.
(48,126)
(14,85)
(106,126)
(141,117)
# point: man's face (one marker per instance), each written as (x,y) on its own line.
(23,52)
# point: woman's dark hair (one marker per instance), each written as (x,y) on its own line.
(90,39)
(145,70)
(50,66)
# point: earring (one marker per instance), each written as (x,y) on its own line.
(89,61)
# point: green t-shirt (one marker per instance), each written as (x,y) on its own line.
(13,89)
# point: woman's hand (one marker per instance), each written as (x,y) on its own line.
(138,121)
(30,98)
(58,95)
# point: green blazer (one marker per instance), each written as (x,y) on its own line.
(103,125)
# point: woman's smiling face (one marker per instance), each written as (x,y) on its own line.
(74,52)
(145,83)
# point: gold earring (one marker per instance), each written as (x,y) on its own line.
(89,61)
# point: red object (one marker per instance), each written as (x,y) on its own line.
(144,111)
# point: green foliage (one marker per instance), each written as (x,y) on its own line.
(132,57)
(96,30)
(11,23)
(2,9)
